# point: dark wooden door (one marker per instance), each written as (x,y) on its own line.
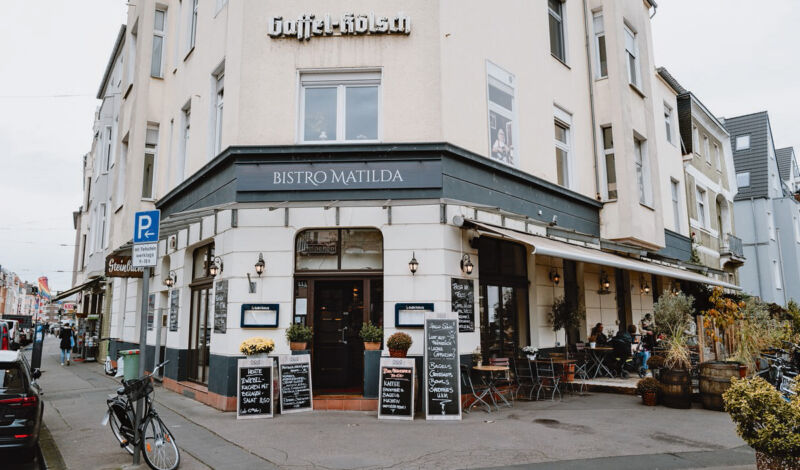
(338,351)
(199,335)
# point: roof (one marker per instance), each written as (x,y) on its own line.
(110,65)
(9,356)
(784,157)
(754,159)
(671,81)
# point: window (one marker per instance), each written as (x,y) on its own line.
(600,45)
(502,115)
(107,157)
(220,4)
(642,171)
(83,251)
(193,24)
(771,225)
(121,171)
(706,149)
(132,56)
(776,273)
(184,143)
(676,207)
(632,52)
(340,107)
(150,152)
(557,46)
(157,59)
(100,234)
(668,123)
(218,107)
(695,140)
(743,179)
(717,161)
(701,206)
(742,142)
(563,121)
(335,249)
(611,166)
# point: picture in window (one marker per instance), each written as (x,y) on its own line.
(502,116)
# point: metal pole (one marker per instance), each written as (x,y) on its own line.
(142,358)
(157,314)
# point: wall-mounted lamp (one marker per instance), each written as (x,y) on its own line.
(644,287)
(554,276)
(260,264)
(605,284)
(413,265)
(216,266)
(169,281)
(466,264)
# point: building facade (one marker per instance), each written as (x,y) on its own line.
(335,147)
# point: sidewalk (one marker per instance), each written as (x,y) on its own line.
(594,431)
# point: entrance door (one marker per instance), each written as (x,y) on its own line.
(199,335)
(503,320)
(338,315)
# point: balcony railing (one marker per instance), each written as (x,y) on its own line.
(733,245)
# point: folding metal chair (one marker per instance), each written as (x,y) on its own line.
(525,377)
(547,378)
(508,380)
(477,392)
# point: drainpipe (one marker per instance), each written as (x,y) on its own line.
(591,98)
(755,245)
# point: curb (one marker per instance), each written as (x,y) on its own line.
(51,456)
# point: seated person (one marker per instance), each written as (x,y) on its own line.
(597,335)
(626,346)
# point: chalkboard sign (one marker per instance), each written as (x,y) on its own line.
(462,295)
(442,367)
(151,310)
(254,388)
(174,300)
(221,307)
(295,374)
(396,389)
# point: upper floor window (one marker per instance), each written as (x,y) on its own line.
(695,140)
(150,153)
(183,144)
(157,59)
(108,158)
(132,55)
(743,142)
(743,179)
(701,206)
(717,161)
(642,171)
(632,52)
(557,43)
(502,115)
(676,206)
(776,274)
(563,138)
(340,107)
(600,45)
(193,24)
(611,165)
(219,102)
(668,123)
(706,149)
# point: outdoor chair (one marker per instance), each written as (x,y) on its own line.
(548,378)
(509,380)
(475,393)
(581,367)
(525,377)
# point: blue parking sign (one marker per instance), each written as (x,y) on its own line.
(145,226)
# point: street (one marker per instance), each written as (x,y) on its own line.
(593,431)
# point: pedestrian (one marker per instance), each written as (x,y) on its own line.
(67,342)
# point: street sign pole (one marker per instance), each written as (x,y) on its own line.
(142,358)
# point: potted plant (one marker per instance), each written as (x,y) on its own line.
(648,388)
(299,336)
(672,316)
(531,352)
(257,346)
(398,344)
(564,316)
(372,336)
(768,423)
(654,364)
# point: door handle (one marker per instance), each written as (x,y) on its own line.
(343,341)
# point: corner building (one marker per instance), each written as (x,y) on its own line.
(466,134)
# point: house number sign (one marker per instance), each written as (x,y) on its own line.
(309,25)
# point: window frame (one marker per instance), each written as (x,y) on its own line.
(502,79)
(701,203)
(743,173)
(183,145)
(192,25)
(563,120)
(675,189)
(162,33)
(776,274)
(668,127)
(107,141)
(150,151)
(219,108)
(717,160)
(744,146)
(634,76)
(707,148)
(559,17)
(642,167)
(608,151)
(600,34)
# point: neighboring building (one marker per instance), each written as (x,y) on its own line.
(525,172)
(788,168)
(766,211)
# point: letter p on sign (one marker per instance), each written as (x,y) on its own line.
(145,226)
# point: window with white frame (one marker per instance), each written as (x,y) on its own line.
(102,213)
(150,155)
(132,55)
(601,55)
(563,137)
(157,58)
(706,149)
(676,206)
(742,142)
(340,107)
(557,43)
(183,151)
(743,179)
(642,171)
(771,225)
(695,140)
(668,123)
(121,174)
(717,160)
(502,115)
(108,159)
(610,161)
(776,274)
(192,23)
(219,102)
(632,53)
(701,206)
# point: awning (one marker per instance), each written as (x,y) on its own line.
(67,293)
(549,247)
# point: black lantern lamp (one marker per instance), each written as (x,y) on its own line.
(413,265)
(644,286)
(466,264)
(169,281)
(216,266)
(260,264)
(554,276)
(605,284)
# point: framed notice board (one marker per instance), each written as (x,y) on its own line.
(174,300)
(442,367)
(411,315)
(396,388)
(260,315)
(462,295)
(254,388)
(295,380)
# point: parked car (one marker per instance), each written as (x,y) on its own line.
(13,333)
(5,338)
(20,402)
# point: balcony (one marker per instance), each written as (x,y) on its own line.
(732,251)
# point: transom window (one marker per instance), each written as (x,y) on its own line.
(351,249)
(340,107)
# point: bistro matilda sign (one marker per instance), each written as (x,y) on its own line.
(309,25)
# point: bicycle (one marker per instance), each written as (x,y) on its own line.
(159,449)
(779,373)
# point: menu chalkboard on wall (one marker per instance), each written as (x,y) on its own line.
(174,300)
(396,389)
(221,307)
(462,295)
(295,372)
(151,311)
(442,367)
(254,388)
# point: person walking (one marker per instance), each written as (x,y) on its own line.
(67,340)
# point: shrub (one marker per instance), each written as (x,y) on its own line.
(400,341)
(647,384)
(299,333)
(371,333)
(672,313)
(563,316)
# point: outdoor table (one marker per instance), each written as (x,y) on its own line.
(491,383)
(597,355)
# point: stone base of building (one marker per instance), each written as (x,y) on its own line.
(200,393)
(345,403)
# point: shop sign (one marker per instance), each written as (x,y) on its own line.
(442,367)
(309,25)
(340,176)
(396,389)
(295,374)
(122,266)
(254,388)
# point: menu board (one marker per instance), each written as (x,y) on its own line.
(174,300)
(295,374)
(442,367)
(221,307)
(462,295)
(151,310)
(396,389)
(254,388)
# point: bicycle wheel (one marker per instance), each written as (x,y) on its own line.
(158,447)
(116,428)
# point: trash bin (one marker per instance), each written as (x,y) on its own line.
(131,363)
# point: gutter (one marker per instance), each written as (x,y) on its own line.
(755,241)
(590,73)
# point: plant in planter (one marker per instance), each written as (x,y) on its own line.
(531,352)
(256,345)
(299,336)
(372,336)
(648,388)
(768,423)
(654,364)
(672,313)
(564,316)
(398,344)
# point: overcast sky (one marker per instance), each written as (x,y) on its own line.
(737,56)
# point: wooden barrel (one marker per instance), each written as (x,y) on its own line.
(715,378)
(675,388)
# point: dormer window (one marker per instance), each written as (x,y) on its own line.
(743,142)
